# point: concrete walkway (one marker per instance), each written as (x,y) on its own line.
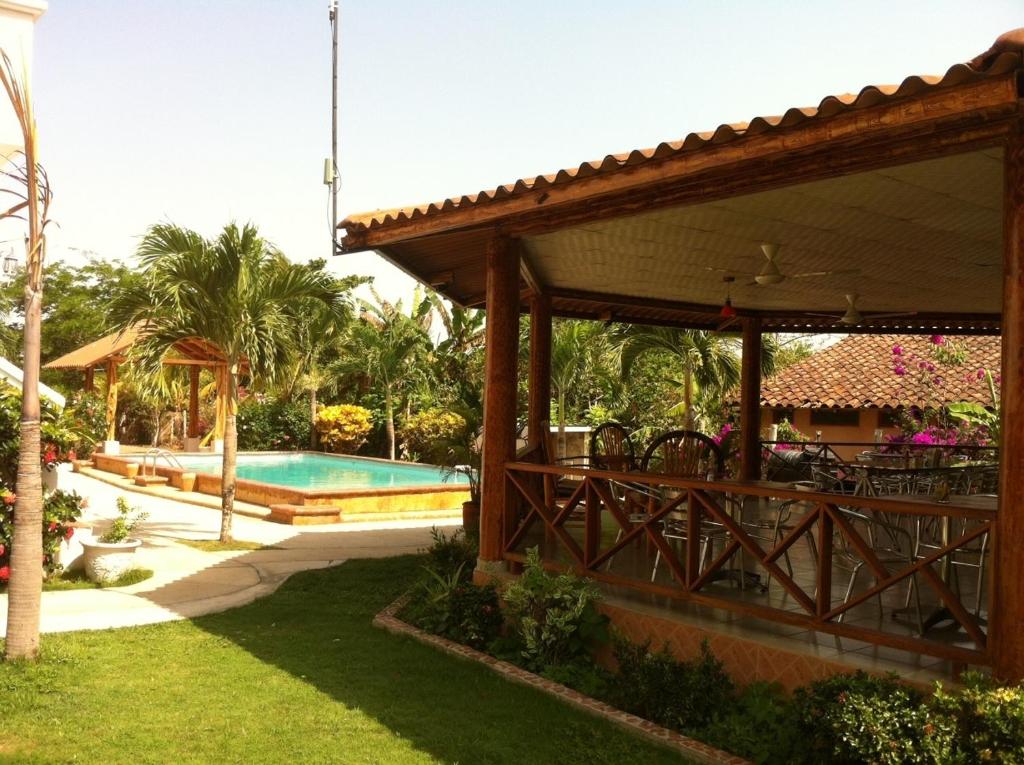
(189,582)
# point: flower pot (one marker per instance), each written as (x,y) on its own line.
(105,561)
(471,518)
(131,469)
(188,481)
(49,479)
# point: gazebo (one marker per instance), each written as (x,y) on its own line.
(910,196)
(111,351)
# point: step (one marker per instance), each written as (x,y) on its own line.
(305,515)
(151,480)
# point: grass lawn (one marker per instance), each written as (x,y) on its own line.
(300,676)
(77,580)
(215,545)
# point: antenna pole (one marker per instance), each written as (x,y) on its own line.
(333,12)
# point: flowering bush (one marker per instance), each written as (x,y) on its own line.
(59,436)
(426,435)
(88,414)
(60,510)
(789,436)
(343,428)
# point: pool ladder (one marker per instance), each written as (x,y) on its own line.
(156,454)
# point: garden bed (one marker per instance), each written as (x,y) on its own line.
(691,748)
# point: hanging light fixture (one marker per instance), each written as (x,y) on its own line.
(727,311)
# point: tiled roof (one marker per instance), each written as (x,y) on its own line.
(1003,57)
(858,371)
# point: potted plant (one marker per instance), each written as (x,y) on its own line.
(463,457)
(113,553)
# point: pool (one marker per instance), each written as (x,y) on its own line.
(308,487)
(302,470)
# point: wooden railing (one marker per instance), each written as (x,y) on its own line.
(585,523)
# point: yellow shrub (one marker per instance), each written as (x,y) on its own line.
(425,434)
(343,428)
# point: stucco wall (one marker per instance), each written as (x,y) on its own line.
(864,431)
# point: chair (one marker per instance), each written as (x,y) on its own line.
(611,448)
(684,454)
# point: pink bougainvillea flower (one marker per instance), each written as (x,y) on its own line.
(930,367)
(5,573)
(900,371)
(981,374)
(937,380)
(3,549)
(897,350)
(938,340)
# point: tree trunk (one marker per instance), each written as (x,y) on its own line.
(227,492)
(389,423)
(562,448)
(313,440)
(24,590)
(688,397)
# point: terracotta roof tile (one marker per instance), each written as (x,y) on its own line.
(858,372)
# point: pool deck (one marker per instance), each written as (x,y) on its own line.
(188,582)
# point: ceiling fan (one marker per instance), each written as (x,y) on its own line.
(771,274)
(853,316)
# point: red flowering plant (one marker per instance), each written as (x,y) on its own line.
(60,510)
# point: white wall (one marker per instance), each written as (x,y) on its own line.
(17,20)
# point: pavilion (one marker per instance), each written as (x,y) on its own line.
(910,196)
(111,351)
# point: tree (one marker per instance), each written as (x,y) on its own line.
(236,292)
(709,361)
(30,187)
(577,350)
(387,345)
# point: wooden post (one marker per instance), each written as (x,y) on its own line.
(90,385)
(193,401)
(111,400)
(1006,606)
(500,388)
(539,415)
(750,401)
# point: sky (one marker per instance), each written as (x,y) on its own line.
(201,113)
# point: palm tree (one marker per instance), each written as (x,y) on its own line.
(709,361)
(576,354)
(31,189)
(236,292)
(384,346)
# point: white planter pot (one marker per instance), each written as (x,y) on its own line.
(111,447)
(49,480)
(105,561)
(218,446)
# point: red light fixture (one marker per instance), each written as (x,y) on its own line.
(727,312)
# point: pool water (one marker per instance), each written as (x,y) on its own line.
(322,471)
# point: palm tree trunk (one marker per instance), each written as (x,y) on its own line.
(688,396)
(229,471)
(312,419)
(389,422)
(24,590)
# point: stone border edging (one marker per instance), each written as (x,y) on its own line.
(695,750)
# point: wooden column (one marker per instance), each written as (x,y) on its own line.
(193,401)
(111,400)
(500,370)
(90,384)
(539,415)
(1006,609)
(750,401)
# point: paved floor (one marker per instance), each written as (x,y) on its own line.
(189,582)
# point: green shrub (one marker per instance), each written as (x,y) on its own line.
(343,428)
(583,676)
(450,553)
(449,605)
(58,436)
(856,718)
(979,723)
(555,616)
(124,524)
(88,414)
(682,695)
(758,725)
(426,435)
(273,425)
